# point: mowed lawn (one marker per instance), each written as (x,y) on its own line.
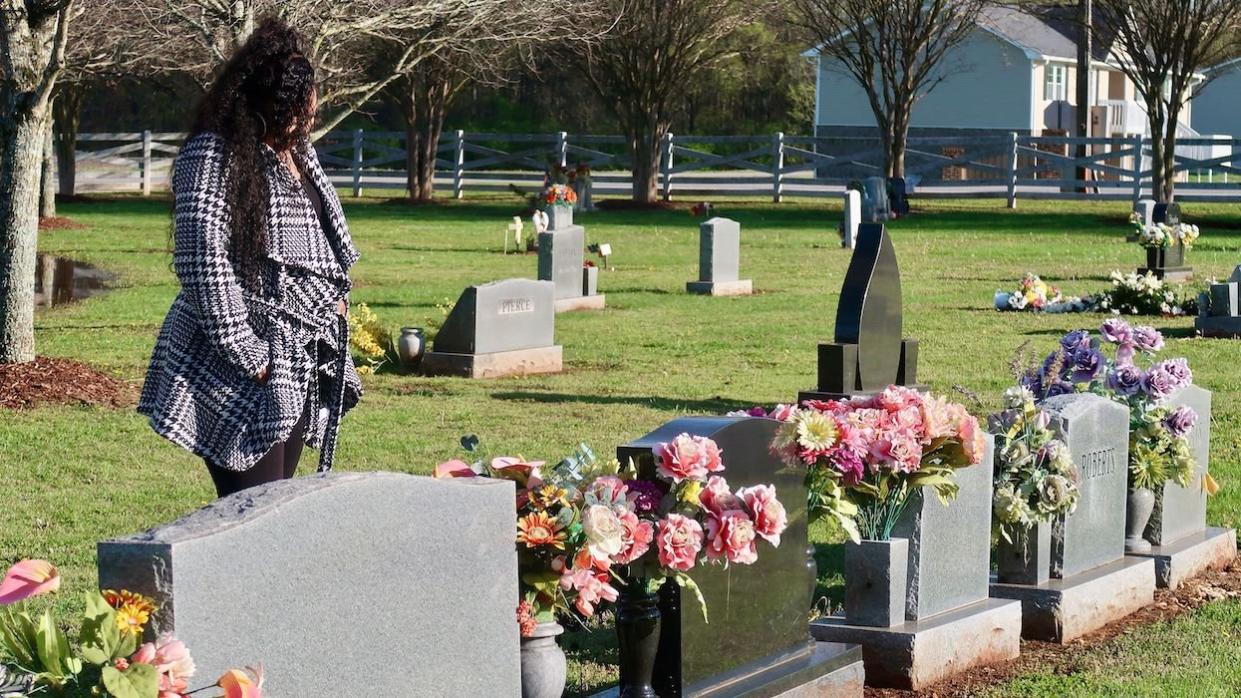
(73,476)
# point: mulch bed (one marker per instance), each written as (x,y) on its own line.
(1066,659)
(59,223)
(47,381)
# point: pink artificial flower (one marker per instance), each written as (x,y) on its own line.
(731,536)
(689,458)
(899,451)
(518,470)
(678,539)
(608,490)
(454,468)
(591,587)
(768,513)
(637,538)
(716,498)
(895,398)
(852,437)
(938,418)
(973,439)
(172,660)
(783,413)
(909,419)
(28,578)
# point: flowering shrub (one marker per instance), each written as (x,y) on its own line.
(1035,294)
(559,195)
(1143,294)
(579,529)
(370,340)
(1035,478)
(108,659)
(1159,448)
(866,456)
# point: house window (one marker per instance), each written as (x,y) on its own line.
(1055,83)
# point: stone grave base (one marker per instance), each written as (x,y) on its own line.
(744,287)
(1061,610)
(524,362)
(1188,557)
(829,670)
(1218,326)
(568,305)
(916,654)
(1174,274)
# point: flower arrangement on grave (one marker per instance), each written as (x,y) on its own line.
(109,657)
(1144,294)
(701,209)
(1035,479)
(582,526)
(1159,447)
(865,457)
(1138,221)
(559,195)
(1162,235)
(1034,294)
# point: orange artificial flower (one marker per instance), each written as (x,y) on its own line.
(132,610)
(538,529)
(238,683)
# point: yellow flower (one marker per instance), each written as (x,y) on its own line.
(133,611)
(691,492)
(548,496)
(816,431)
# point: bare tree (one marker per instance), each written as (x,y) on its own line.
(893,50)
(1162,46)
(653,51)
(33,34)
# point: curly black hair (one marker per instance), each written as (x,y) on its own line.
(264,95)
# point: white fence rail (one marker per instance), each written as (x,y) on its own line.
(1009,166)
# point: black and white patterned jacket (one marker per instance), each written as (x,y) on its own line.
(200,390)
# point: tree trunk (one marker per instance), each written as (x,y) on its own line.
(1084,20)
(21,149)
(1163,155)
(68,112)
(423,103)
(47,189)
(644,152)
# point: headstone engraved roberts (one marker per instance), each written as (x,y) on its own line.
(758,640)
(562,261)
(503,328)
(869,353)
(381,584)
(1182,544)
(1092,581)
(719,260)
(948,622)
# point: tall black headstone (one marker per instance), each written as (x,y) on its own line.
(757,641)
(869,353)
(1167,263)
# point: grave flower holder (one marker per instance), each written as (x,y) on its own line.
(559,216)
(1159,259)
(876,581)
(543,663)
(1139,505)
(637,637)
(1026,559)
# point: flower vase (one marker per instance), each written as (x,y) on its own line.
(559,216)
(1026,559)
(1160,258)
(876,573)
(411,346)
(1140,506)
(637,635)
(543,664)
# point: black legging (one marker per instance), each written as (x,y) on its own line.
(280,463)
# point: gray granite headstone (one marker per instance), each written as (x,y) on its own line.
(562,254)
(507,315)
(1236,275)
(559,217)
(949,546)
(381,584)
(1166,213)
(719,250)
(1096,431)
(1146,209)
(1224,299)
(852,218)
(1182,511)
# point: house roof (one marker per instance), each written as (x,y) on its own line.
(1047,31)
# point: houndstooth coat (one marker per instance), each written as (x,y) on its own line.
(200,390)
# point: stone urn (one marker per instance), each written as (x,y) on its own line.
(411,346)
(559,216)
(543,663)
(637,636)
(1138,510)
(1026,559)
(876,574)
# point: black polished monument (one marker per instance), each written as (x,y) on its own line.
(869,353)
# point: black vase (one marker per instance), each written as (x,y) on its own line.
(637,634)
(1160,258)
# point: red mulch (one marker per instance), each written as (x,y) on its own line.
(47,381)
(1066,659)
(59,223)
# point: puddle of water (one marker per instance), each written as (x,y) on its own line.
(59,280)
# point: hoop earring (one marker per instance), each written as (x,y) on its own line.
(263,123)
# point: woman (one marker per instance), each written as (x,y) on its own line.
(253,358)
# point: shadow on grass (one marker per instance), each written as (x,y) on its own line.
(829,560)
(717,405)
(592,654)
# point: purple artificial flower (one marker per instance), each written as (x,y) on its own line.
(1086,364)
(645,495)
(1060,387)
(1179,368)
(1181,421)
(1077,339)
(1147,338)
(1125,380)
(1033,382)
(1159,384)
(849,464)
(1117,331)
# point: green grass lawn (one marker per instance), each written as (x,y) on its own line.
(73,476)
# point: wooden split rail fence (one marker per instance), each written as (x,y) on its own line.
(1009,166)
